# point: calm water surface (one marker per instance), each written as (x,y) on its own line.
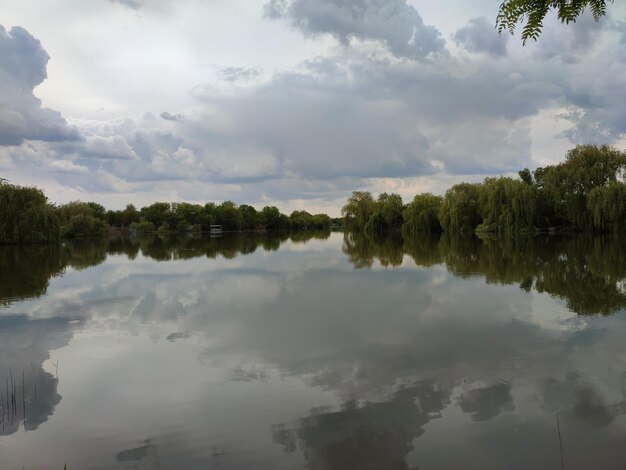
(322,352)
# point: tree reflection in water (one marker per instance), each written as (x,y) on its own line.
(26,341)
(25,270)
(589,273)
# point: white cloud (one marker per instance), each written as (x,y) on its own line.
(23,67)
(352,95)
(395,23)
(113,147)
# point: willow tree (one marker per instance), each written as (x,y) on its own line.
(507,206)
(607,206)
(422,214)
(390,206)
(586,167)
(387,214)
(533,13)
(78,219)
(459,211)
(26,216)
(358,209)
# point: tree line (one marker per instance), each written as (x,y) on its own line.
(586,192)
(26,216)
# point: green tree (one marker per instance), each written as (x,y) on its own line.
(459,211)
(567,184)
(157,213)
(422,214)
(227,215)
(250,216)
(300,220)
(84,225)
(98,210)
(143,226)
(607,206)
(533,12)
(358,209)
(506,205)
(78,219)
(26,216)
(390,207)
(209,215)
(270,217)
(186,215)
(129,215)
(320,221)
(526,176)
(114,218)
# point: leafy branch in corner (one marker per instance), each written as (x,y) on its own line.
(533,13)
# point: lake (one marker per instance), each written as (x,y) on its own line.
(319,351)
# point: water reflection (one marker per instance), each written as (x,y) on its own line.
(25,340)
(367,435)
(25,270)
(291,358)
(28,393)
(485,403)
(589,273)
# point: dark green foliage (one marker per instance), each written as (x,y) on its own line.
(143,226)
(459,211)
(533,12)
(358,210)
(184,216)
(250,217)
(78,219)
(98,210)
(26,216)
(114,218)
(228,216)
(607,206)
(390,207)
(157,213)
(271,218)
(526,176)
(129,215)
(376,224)
(363,213)
(82,225)
(506,205)
(302,220)
(567,184)
(422,214)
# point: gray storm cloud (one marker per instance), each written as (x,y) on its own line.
(234,74)
(114,148)
(132,4)
(22,67)
(478,35)
(332,122)
(393,22)
(171,117)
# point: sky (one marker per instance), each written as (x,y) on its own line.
(293,103)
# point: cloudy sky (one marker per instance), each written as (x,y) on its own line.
(293,102)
